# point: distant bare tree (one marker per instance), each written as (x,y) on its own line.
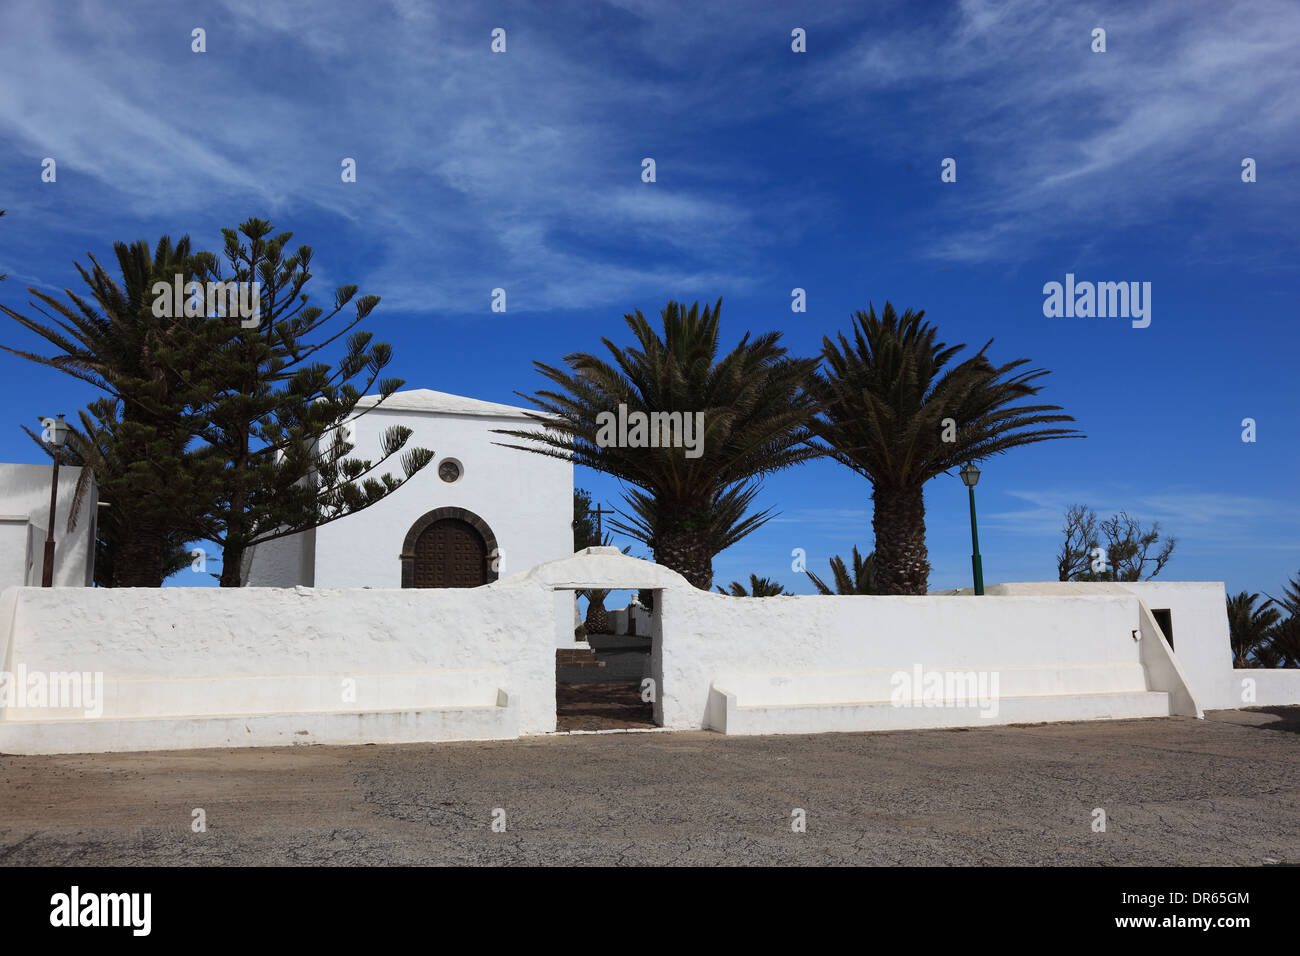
(1080,539)
(1127,545)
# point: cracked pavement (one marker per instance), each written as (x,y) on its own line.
(1175,791)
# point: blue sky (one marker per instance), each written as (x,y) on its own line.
(775,170)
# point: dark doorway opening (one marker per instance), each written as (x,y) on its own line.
(1166,621)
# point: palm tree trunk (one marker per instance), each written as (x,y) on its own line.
(901,557)
(687,552)
(597,620)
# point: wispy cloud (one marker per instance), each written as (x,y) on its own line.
(824,518)
(521,169)
(1198,519)
(1051,137)
(524,168)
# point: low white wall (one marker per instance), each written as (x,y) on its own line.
(8,602)
(1068,641)
(626,620)
(638,620)
(205,667)
(191,652)
(1197,615)
(1264,687)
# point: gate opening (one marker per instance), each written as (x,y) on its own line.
(604,681)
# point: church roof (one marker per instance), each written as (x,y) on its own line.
(442,403)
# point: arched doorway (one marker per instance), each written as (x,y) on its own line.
(449,548)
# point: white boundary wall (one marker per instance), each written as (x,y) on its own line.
(1264,687)
(1200,639)
(809,658)
(196,667)
(191,667)
(1200,623)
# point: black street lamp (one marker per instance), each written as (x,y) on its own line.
(971,476)
(58,430)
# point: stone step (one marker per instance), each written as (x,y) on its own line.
(577,657)
(733,716)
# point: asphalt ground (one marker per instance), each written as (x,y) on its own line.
(1224,790)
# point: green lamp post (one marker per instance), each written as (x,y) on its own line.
(971,476)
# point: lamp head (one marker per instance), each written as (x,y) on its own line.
(58,430)
(970,474)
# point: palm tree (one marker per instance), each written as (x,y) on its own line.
(1290,600)
(690,503)
(1283,646)
(1248,626)
(723,520)
(885,404)
(864,579)
(114,335)
(1283,639)
(758,587)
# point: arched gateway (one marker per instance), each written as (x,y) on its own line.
(449,548)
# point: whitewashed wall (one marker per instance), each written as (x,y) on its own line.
(1261,687)
(204,667)
(566,618)
(283,562)
(24,520)
(1197,614)
(1199,617)
(820,650)
(625,620)
(14,551)
(426,664)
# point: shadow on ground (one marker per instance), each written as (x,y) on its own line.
(1287,719)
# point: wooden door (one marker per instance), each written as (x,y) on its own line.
(450,553)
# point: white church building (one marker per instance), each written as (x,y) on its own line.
(476,513)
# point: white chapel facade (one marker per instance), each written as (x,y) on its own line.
(476,513)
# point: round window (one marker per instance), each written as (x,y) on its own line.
(449,470)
